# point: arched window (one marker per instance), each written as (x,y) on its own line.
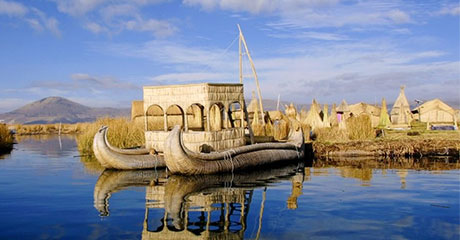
(174,116)
(216,117)
(155,118)
(195,117)
(235,115)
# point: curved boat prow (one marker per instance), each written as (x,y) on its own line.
(112,157)
(181,160)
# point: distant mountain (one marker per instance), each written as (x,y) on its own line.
(58,109)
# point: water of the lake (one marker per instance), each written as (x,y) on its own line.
(48,192)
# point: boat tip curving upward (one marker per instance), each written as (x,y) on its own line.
(181,160)
(116,158)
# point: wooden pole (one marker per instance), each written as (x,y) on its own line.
(278,103)
(241,58)
(255,75)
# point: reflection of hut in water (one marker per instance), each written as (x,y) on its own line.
(366,109)
(363,174)
(211,207)
(402,173)
(400,113)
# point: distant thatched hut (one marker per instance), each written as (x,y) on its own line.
(400,113)
(366,109)
(435,112)
(313,118)
(326,122)
(333,118)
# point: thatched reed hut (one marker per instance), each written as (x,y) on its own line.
(313,118)
(436,112)
(333,118)
(366,109)
(400,113)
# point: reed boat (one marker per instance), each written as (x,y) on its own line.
(126,159)
(179,159)
(200,129)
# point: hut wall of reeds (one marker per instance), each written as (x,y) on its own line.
(207,108)
(436,111)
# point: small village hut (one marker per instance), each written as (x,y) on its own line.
(333,118)
(400,113)
(326,122)
(313,118)
(436,112)
(366,109)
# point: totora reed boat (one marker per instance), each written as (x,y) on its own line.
(179,159)
(126,159)
(197,129)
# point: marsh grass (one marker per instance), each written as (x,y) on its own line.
(43,129)
(6,139)
(122,133)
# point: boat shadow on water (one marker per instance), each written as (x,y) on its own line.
(190,201)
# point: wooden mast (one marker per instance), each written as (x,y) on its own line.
(253,71)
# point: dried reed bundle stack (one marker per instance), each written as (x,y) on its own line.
(384,120)
(333,118)
(326,122)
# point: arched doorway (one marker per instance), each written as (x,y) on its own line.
(195,120)
(174,116)
(154,118)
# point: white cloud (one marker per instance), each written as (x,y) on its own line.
(398,16)
(310,35)
(188,77)
(157,27)
(113,17)
(36,19)
(11,8)
(354,70)
(95,28)
(453,10)
(86,80)
(259,6)
(9,104)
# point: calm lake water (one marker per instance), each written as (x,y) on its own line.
(48,192)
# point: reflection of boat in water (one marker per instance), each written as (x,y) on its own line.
(179,159)
(112,157)
(112,181)
(196,207)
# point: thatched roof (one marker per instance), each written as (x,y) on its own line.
(343,107)
(360,108)
(400,113)
(313,119)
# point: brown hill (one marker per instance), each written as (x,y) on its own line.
(58,109)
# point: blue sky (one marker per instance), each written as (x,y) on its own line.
(101,52)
